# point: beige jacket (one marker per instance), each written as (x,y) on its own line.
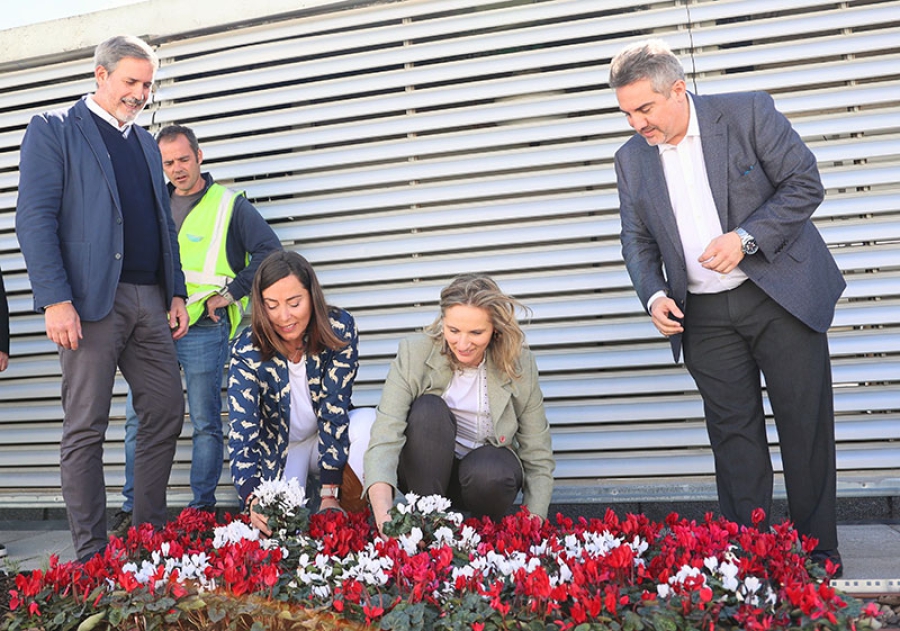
(517,408)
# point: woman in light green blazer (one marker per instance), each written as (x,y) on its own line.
(462,414)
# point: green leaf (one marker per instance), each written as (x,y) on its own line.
(216,613)
(191,603)
(632,622)
(92,621)
(661,623)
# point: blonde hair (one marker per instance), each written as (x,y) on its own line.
(479,290)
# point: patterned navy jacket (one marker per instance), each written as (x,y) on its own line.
(259,402)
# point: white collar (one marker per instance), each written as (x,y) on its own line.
(693,128)
(109,118)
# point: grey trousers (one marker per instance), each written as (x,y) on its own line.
(135,336)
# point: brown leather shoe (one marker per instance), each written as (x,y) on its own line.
(351,490)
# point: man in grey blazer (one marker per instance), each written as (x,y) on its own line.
(716,195)
(95,228)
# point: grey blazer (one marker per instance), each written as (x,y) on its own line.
(517,408)
(763,179)
(69,216)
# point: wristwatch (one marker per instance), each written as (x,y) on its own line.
(329,491)
(748,243)
(226,295)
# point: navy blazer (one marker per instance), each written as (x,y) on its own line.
(69,216)
(763,179)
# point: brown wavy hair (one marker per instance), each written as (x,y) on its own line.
(319,334)
(480,290)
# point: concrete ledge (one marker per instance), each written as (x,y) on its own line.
(68,38)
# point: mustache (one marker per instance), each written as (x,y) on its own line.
(133,102)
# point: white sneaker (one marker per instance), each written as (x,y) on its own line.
(2,550)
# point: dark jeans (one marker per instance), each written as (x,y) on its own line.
(485,481)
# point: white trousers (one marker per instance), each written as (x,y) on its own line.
(303,455)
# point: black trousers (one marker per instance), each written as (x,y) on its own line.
(729,338)
(485,481)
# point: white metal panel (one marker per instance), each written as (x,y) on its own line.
(401,143)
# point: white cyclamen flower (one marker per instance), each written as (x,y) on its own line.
(410,542)
(728,572)
(407,508)
(443,536)
(233,533)
(286,493)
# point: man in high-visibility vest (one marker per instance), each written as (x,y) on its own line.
(222,239)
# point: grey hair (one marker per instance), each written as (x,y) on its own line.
(651,59)
(113,50)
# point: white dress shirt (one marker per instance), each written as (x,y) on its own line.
(109,118)
(467,398)
(695,210)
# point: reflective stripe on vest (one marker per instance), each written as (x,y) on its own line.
(201,243)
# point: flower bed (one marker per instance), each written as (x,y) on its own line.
(438,572)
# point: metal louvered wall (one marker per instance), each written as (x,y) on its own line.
(401,143)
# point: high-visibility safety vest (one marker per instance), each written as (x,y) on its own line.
(201,243)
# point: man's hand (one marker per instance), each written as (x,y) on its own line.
(178,318)
(660,312)
(215,302)
(63,325)
(723,253)
(4,361)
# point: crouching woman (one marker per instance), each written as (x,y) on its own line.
(290,381)
(462,414)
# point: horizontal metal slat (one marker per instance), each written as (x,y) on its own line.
(831,98)
(802,47)
(311,229)
(693,434)
(853,203)
(445,268)
(533,158)
(395,63)
(494,29)
(698,462)
(463,239)
(802,77)
(795,18)
(419,146)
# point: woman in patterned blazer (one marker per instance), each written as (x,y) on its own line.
(289,386)
(462,414)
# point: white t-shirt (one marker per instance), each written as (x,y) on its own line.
(303,438)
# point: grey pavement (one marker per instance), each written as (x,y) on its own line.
(871,552)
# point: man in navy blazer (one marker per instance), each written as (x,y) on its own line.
(716,195)
(95,228)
